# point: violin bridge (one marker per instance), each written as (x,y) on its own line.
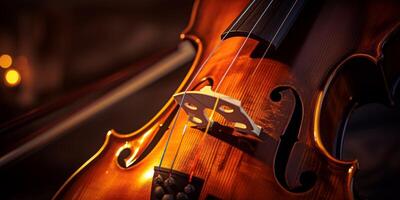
(195,104)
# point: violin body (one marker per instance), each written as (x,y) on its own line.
(337,56)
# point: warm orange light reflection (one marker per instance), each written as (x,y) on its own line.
(5,61)
(147,175)
(12,77)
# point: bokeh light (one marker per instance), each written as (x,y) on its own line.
(12,77)
(5,61)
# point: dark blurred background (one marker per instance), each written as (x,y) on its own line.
(58,56)
(58,46)
(67,55)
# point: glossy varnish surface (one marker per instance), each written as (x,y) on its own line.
(313,71)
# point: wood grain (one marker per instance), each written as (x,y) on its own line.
(328,60)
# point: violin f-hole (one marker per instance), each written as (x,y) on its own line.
(287,142)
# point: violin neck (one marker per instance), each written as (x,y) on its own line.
(278,16)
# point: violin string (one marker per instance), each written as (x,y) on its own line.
(191,82)
(272,40)
(201,143)
(265,52)
(183,135)
(180,144)
(269,46)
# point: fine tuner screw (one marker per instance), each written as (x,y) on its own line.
(169,182)
(159,192)
(189,188)
(182,196)
(168,197)
(159,180)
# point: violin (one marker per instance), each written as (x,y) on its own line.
(261,113)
